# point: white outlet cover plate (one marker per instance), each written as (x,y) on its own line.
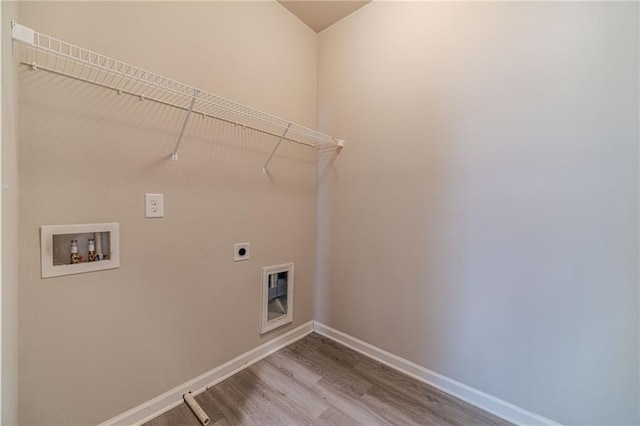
(236,251)
(154,205)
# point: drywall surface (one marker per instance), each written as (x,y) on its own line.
(9,197)
(482,220)
(94,345)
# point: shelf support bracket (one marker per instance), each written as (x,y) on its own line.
(264,168)
(22,34)
(174,154)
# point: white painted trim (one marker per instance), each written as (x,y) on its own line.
(1,190)
(47,233)
(284,319)
(459,390)
(173,397)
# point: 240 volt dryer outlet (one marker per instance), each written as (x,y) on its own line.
(241,251)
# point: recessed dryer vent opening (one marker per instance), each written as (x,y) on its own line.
(277,296)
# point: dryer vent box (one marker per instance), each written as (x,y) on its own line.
(277,296)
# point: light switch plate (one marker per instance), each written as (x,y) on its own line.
(154,205)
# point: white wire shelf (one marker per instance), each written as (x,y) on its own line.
(43,52)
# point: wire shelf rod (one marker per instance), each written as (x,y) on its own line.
(84,65)
(266,165)
(129,73)
(200,113)
(174,154)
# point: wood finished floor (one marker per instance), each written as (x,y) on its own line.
(316,381)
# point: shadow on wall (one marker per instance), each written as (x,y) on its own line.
(124,131)
(386,212)
(88,155)
(483,221)
(325,171)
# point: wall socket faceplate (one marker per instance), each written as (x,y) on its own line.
(154,205)
(241,251)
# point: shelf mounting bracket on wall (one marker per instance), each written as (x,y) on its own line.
(174,154)
(264,168)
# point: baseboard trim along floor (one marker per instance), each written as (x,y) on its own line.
(173,397)
(489,403)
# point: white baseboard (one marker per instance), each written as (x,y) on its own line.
(459,390)
(173,397)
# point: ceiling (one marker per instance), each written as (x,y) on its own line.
(319,14)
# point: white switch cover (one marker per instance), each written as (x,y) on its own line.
(154,205)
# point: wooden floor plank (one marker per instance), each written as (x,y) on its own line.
(417,394)
(317,381)
(246,400)
(334,417)
(294,369)
(348,401)
(333,350)
(181,415)
(300,395)
(211,407)
(399,409)
(334,369)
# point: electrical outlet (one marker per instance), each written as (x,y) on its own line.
(241,251)
(154,205)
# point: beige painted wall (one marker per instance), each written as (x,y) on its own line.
(483,219)
(94,345)
(9,224)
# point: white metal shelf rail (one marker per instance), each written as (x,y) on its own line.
(42,52)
